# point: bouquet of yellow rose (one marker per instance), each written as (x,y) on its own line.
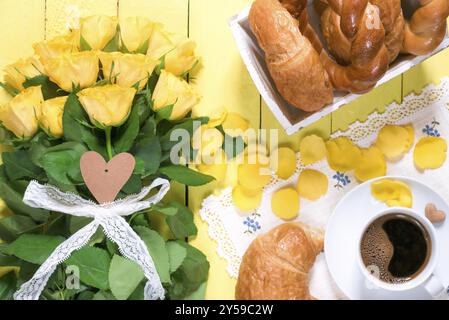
(110,87)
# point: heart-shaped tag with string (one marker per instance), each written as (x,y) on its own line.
(106,179)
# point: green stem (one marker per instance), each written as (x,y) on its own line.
(107,131)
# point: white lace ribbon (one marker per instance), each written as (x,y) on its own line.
(109,216)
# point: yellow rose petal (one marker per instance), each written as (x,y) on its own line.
(312,184)
(253,176)
(171,90)
(285,203)
(208,142)
(312,149)
(216,168)
(234,125)
(108,105)
(342,154)
(411,136)
(283,162)
(372,164)
(217,118)
(393,141)
(246,199)
(51,116)
(127,70)
(21,114)
(97,31)
(17,73)
(394,193)
(430,153)
(135,32)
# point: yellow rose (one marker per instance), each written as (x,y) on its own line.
(128,69)
(57,46)
(97,31)
(181,59)
(17,73)
(51,116)
(107,105)
(135,31)
(160,42)
(80,68)
(21,114)
(171,90)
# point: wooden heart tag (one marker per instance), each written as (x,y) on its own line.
(106,179)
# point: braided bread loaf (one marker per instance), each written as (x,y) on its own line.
(355,36)
(392,19)
(426,27)
(293,62)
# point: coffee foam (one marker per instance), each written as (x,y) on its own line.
(377,252)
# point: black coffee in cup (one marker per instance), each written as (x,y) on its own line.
(395,248)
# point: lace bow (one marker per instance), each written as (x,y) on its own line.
(109,216)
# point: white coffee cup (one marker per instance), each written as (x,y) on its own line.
(425,279)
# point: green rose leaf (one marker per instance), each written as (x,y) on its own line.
(113,44)
(127,133)
(156,247)
(191,274)
(176,254)
(8,286)
(93,264)
(132,186)
(18,165)
(124,277)
(181,224)
(12,226)
(76,126)
(14,200)
(188,126)
(62,162)
(185,175)
(49,89)
(148,150)
(199,293)
(33,248)
(103,295)
(165,112)
(9,261)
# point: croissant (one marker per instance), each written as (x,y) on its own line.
(292,61)
(276,264)
(298,9)
(426,28)
(355,36)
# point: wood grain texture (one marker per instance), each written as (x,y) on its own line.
(430,71)
(64,14)
(361,108)
(222,81)
(22,23)
(172,13)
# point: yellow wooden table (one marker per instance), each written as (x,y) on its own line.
(223,80)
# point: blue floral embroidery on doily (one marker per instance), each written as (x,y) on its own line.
(251,223)
(342,180)
(432,129)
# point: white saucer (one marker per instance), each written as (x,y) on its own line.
(343,232)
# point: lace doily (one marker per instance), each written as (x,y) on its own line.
(233,231)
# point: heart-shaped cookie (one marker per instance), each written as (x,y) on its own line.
(106,179)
